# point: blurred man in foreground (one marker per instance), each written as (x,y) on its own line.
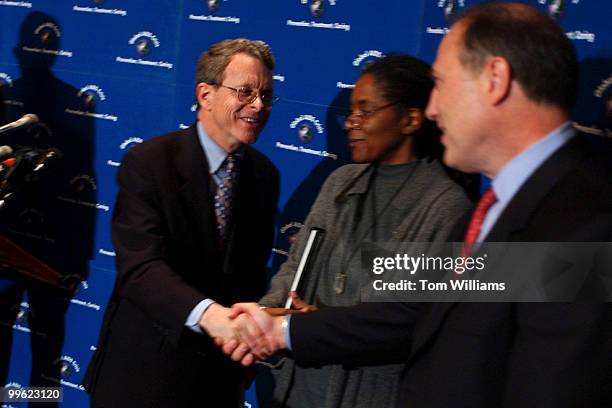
(506,78)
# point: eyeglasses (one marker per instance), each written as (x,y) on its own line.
(248,95)
(364,115)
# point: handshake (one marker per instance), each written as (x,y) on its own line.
(247,332)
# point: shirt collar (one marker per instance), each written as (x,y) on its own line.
(514,174)
(214,153)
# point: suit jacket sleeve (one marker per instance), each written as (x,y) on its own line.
(139,234)
(569,342)
(369,334)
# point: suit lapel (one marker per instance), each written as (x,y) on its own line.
(195,188)
(517,214)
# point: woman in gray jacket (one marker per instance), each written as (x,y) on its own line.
(396,192)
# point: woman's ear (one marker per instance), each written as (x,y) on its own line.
(412,120)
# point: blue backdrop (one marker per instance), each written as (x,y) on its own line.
(107,74)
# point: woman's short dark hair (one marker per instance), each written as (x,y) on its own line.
(402,79)
(407,81)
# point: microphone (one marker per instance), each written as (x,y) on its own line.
(27,163)
(45,157)
(25,121)
(7,164)
(5,152)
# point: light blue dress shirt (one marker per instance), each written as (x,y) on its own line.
(514,174)
(215,156)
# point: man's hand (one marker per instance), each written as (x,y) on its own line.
(299,306)
(223,323)
(216,321)
(250,343)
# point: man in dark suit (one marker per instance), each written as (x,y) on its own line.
(505,81)
(192,229)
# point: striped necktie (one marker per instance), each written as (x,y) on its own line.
(225,194)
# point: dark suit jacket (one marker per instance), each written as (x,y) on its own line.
(494,354)
(164,231)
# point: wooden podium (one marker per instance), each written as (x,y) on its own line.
(26,267)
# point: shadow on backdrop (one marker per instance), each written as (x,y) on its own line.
(593,109)
(298,205)
(52,216)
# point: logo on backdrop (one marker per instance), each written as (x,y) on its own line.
(68,366)
(125,145)
(13,3)
(288,234)
(31,223)
(192,109)
(306,127)
(360,62)
(82,184)
(603,94)
(80,296)
(556,8)
(130,142)
(46,41)
(144,43)
(581,35)
(106,252)
(83,286)
(90,96)
(81,189)
(13,385)
(213,6)
(22,314)
(48,33)
(559,8)
(68,369)
(99,10)
(449,9)
(305,132)
(6,83)
(318,9)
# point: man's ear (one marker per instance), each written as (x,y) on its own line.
(497,74)
(412,120)
(205,94)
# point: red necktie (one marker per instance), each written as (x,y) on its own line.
(485,202)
